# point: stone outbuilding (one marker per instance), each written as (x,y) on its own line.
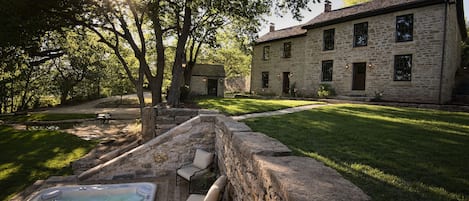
(208,80)
(400,50)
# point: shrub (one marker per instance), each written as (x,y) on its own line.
(325,91)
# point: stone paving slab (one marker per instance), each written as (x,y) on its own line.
(278,112)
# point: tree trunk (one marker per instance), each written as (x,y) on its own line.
(177,78)
(187,80)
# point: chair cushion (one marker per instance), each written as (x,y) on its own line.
(214,192)
(202,159)
(187,172)
(195,197)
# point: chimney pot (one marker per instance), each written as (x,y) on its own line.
(327,6)
(272,27)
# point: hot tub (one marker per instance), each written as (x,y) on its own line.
(106,192)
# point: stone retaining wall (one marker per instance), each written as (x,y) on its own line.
(258,167)
(160,119)
(262,168)
(159,156)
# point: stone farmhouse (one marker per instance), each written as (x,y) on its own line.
(408,50)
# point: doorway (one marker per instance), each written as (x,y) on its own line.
(286,82)
(359,76)
(212,87)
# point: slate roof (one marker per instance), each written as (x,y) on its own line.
(368,9)
(208,70)
(289,32)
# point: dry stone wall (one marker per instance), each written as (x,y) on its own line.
(161,119)
(159,156)
(262,168)
(258,167)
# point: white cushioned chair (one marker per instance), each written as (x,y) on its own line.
(213,194)
(200,164)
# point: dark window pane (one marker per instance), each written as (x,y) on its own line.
(266,53)
(326,71)
(329,39)
(404,28)
(287,50)
(265,79)
(360,34)
(403,67)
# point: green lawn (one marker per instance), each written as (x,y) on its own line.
(27,156)
(45,117)
(391,153)
(237,106)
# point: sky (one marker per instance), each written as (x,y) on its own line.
(316,9)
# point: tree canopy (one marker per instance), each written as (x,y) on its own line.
(353,2)
(138,34)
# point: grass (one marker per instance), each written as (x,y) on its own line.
(45,117)
(238,106)
(390,153)
(27,156)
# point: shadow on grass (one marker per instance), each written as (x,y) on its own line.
(238,106)
(28,156)
(391,153)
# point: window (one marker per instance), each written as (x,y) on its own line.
(265,79)
(287,50)
(328,38)
(360,34)
(326,71)
(404,28)
(266,52)
(403,67)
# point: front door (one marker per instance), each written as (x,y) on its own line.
(359,76)
(286,82)
(212,87)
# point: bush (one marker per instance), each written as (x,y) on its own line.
(325,91)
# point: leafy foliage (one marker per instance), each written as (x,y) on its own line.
(354,2)
(325,91)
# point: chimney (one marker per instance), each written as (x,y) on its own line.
(327,6)
(272,27)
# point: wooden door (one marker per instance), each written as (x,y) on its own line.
(286,82)
(212,87)
(359,76)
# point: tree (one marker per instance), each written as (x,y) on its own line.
(206,19)
(137,27)
(83,59)
(353,2)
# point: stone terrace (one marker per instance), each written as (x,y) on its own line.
(258,167)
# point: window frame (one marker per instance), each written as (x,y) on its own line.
(329,75)
(265,79)
(266,53)
(287,50)
(398,40)
(327,40)
(398,67)
(357,32)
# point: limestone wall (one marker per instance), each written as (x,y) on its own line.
(160,119)
(426,50)
(159,156)
(258,167)
(261,168)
